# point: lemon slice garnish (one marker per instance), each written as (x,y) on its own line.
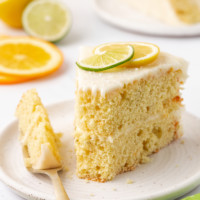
(145,53)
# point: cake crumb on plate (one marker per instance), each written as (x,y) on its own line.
(129,181)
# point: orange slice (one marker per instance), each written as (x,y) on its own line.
(5,79)
(28,57)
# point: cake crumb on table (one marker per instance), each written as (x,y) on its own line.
(114,189)
(91,195)
(129,181)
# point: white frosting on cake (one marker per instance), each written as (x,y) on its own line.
(110,80)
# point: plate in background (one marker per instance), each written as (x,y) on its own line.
(124,16)
(173,171)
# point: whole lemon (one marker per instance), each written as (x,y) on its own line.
(11,12)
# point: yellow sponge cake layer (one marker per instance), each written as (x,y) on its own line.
(121,117)
(36,133)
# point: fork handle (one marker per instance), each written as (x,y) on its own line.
(59,189)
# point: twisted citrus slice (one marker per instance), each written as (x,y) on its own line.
(144,53)
(107,56)
(28,57)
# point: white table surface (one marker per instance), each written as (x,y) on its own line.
(89,29)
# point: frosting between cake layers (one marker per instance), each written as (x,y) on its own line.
(46,160)
(110,80)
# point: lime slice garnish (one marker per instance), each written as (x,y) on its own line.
(107,57)
(47,19)
(194,197)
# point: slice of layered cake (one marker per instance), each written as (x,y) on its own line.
(170,11)
(36,134)
(124,114)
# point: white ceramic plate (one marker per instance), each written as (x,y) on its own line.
(121,15)
(173,171)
